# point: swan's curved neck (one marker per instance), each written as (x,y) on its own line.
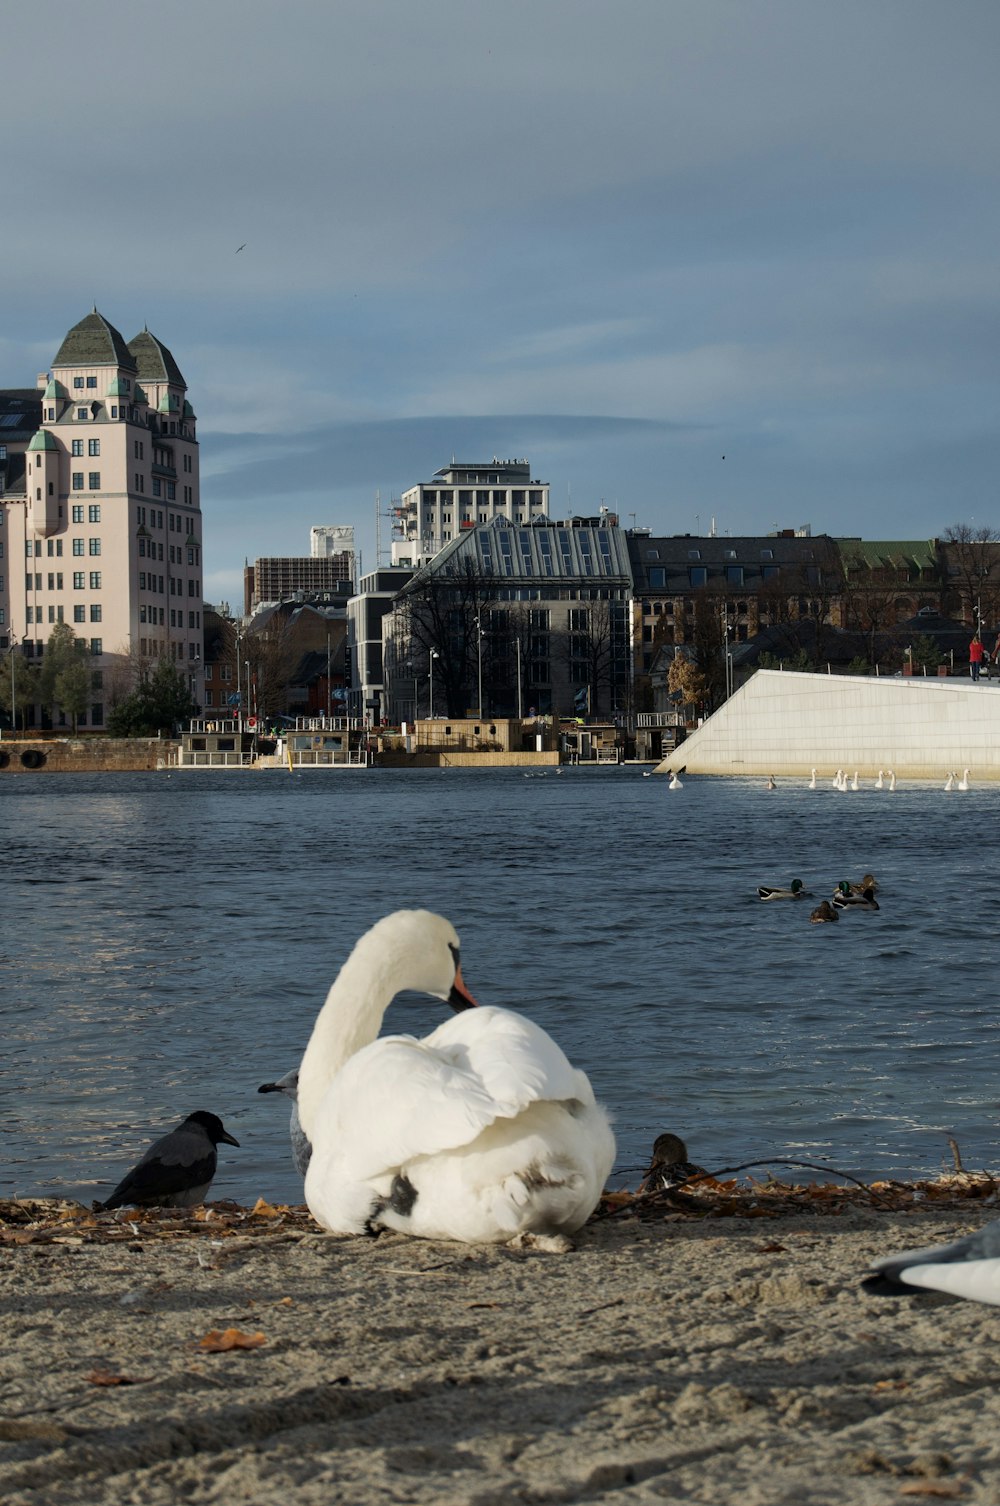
(350,1018)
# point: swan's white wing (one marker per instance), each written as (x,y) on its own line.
(399,1098)
(514,1059)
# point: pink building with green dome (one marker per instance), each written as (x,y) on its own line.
(99,498)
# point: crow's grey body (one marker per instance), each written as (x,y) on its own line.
(177,1170)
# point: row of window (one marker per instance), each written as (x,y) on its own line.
(79,613)
(150,582)
(93,447)
(93,481)
(152,648)
(517,498)
(35,649)
(154,615)
(55,580)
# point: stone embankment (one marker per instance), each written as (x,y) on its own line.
(86,755)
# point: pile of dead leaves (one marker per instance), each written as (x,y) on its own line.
(59,1221)
(768,1197)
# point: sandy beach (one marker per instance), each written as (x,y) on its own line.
(245,1356)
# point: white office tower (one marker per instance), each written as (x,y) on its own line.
(326,542)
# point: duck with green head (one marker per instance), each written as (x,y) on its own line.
(846,899)
(795,892)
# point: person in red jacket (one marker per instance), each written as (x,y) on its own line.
(975,656)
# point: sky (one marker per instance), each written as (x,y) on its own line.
(728,261)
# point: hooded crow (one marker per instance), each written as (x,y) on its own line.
(177,1170)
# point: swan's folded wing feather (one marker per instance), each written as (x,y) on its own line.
(515,1060)
(400,1098)
(395,1100)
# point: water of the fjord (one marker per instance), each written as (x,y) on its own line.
(168,939)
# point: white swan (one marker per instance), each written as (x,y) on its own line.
(949,782)
(480,1132)
(963,783)
(812,782)
(854,781)
(969,1267)
(675,783)
(837,778)
(878,782)
(892,781)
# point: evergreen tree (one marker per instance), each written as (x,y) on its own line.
(18,685)
(72,688)
(161,699)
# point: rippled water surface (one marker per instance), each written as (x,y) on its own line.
(168,939)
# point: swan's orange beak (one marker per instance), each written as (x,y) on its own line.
(460,998)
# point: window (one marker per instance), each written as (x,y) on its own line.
(78,382)
(78,546)
(95,612)
(579,619)
(157,487)
(172,494)
(78,580)
(657,577)
(734,575)
(95,580)
(94,512)
(95,546)
(80,614)
(93,446)
(97,715)
(694,554)
(77,446)
(78,481)
(96,646)
(81,413)
(92,381)
(698,575)
(77,512)
(93,482)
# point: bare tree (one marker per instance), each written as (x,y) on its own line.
(445,611)
(972,564)
(595,651)
(869,598)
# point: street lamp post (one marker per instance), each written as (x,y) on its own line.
(433,655)
(13,691)
(517,651)
(479,660)
(239,684)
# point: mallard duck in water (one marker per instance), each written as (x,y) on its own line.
(846,899)
(868,881)
(669,1165)
(795,892)
(824,911)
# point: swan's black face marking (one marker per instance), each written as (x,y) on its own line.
(402,1195)
(459,998)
